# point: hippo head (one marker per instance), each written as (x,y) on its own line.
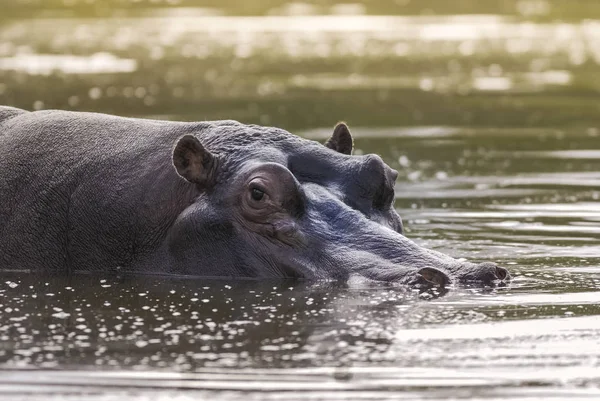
(270,204)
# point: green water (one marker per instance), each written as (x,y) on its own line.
(490,112)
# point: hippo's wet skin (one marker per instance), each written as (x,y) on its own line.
(81,191)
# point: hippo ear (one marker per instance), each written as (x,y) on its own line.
(193,162)
(341,140)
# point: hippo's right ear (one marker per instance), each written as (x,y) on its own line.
(341,140)
(193,162)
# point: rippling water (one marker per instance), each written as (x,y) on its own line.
(491,120)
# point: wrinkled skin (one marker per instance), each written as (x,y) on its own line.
(82,191)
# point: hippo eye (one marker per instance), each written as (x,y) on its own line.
(257,194)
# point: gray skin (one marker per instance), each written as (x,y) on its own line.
(93,192)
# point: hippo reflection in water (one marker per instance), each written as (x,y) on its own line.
(82,192)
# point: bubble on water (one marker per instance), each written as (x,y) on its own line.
(441,175)
(73,101)
(140,92)
(95,93)
(426,84)
(414,175)
(404,161)
(61,315)
(128,91)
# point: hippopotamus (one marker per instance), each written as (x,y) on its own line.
(95,192)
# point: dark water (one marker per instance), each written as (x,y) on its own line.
(493,121)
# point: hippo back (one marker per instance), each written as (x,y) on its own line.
(80,187)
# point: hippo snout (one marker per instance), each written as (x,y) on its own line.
(467,273)
(482,273)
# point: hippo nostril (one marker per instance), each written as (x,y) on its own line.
(501,273)
(434,276)
(486,273)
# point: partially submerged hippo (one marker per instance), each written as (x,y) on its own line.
(82,192)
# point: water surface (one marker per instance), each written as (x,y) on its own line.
(489,113)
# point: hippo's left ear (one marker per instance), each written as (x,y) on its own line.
(341,140)
(193,162)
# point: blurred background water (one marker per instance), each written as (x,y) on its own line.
(490,112)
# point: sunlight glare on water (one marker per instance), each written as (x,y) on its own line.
(488,112)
